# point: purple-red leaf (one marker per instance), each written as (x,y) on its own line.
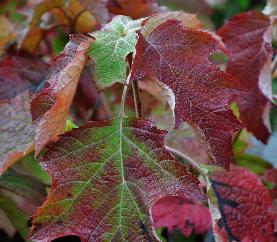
(245,206)
(248,43)
(199,92)
(177,213)
(19,78)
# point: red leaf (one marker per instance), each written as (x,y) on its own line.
(245,206)
(177,213)
(135,8)
(246,37)
(106,177)
(19,74)
(271,176)
(50,108)
(19,78)
(199,91)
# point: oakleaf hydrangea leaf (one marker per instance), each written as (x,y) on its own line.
(20,77)
(50,107)
(245,205)
(176,213)
(198,92)
(248,42)
(106,176)
(111,46)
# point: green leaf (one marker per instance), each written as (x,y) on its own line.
(107,175)
(113,43)
(252,163)
(17,218)
(25,186)
(30,166)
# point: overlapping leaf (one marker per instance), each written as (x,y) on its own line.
(50,107)
(247,39)
(106,176)
(111,46)
(19,78)
(176,213)
(245,206)
(198,91)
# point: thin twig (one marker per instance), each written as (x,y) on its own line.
(137,100)
(135,87)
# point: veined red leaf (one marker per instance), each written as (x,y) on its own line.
(198,91)
(50,107)
(177,213)
(105,178)
(247,39)
(245,206)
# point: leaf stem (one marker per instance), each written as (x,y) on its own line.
(137,100)
(135,88)
(123,98)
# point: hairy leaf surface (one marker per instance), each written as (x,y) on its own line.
(106,176)
(177,213)
(50,107)
(198,91)
(245,206)
(247,40)
(111,46)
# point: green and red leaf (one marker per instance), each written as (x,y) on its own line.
(105,178)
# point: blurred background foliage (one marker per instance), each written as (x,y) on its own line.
(213,14)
